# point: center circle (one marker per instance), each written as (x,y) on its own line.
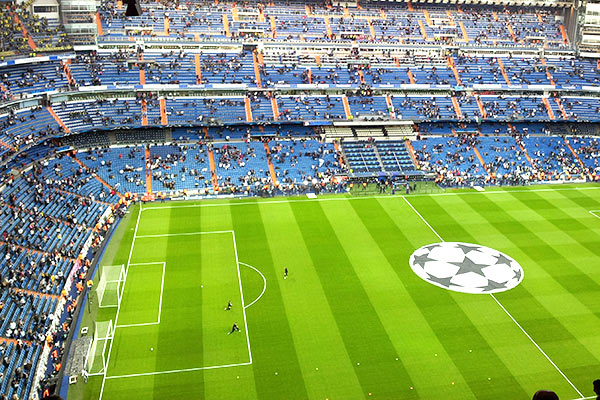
(466,267)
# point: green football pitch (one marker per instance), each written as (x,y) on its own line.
(352,320)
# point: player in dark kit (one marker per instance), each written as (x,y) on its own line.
(285,273)
(229,305)
(234,328)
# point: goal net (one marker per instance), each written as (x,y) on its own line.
(97,357)
(110,285)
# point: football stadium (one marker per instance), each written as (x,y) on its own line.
(286,199)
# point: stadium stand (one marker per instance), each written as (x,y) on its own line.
(195,99)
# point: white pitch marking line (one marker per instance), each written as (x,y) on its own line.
(137,224)
(423,219)
(176,371)
(148,263)
(505,310)
(237,263)
(142,324)
(264,286)
(162,285)
(184,234)
(242,203)
(595,213)
(536,345)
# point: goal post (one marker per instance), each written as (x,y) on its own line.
(97,357)
(110,285)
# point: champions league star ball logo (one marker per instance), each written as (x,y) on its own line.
(466,268)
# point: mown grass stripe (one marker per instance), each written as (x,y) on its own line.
(538,321)
(585,199)
(175,298)
(453,327)
(364,336)
(326,366)
(581,236)
(420,352)
(557,264)
(271,338)
(528,365)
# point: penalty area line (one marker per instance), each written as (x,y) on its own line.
(162,285)
(595,213)
(239,275)
(137,225)
(177,371)
(183,234)
(506,311)
(142,324)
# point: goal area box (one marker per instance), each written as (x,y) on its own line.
(109,290)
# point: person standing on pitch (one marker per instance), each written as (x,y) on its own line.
(234,328)
(229,305)
(285,273)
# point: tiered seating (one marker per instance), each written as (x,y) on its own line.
(286,67)
(453,155)
(502,156)
(227,68)
(261,109)
(134,136)
(303,160)
(475,70)
(310,108)
(52,210)
(26,127)
(11,36)
(170,68)
(527,71)
(483,26)
(574,71)
(115,68)
(47,215)
(583,109)
(18,366)
(179,167)
(369,106)
(282,74)
(63,174)
(361,157)
(33,78)
(588,151)
(432,75)
(551,156)
(112,113)
(122,168)
(514,108)
(241,164)
(395,156)
(45,33)
(87,140)
(190,111)
(424,108)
